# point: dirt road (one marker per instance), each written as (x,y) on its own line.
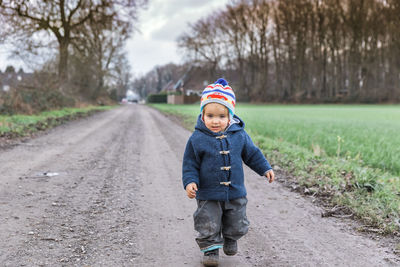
(106,191)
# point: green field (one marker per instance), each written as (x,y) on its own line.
(354,150)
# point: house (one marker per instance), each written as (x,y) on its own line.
(11,79)
(190,86)
(169,87)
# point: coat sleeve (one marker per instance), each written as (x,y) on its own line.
(190,165)
(253,157)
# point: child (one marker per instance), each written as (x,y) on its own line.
(213,173)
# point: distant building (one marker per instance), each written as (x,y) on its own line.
(169,87)
(190,85)
(11,79)
(193,92)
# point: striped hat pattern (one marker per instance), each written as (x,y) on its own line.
(219,92)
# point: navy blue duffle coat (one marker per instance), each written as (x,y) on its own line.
(214,161)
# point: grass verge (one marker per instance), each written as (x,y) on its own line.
(345,185)
(23,125)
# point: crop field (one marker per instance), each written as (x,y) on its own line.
(354,150)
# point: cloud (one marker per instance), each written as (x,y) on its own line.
(144,54)
(178,8)
(160,26)
(169,31)
(175,18)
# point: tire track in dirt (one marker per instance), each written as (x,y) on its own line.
(167,225)
(71,209)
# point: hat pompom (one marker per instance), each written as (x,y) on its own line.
(221,81)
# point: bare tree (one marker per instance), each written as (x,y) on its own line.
(258,17)
(99,44)
(204,43)
(391,66)
(61,19)
(303,50)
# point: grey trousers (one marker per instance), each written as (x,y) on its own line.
(214,220)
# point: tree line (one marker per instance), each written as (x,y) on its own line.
(303,50)
(81,41)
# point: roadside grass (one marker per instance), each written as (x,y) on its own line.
(22,125)
(349,155)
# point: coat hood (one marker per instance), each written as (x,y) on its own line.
(236,124)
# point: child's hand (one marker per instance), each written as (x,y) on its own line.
(270,175)
(191,190)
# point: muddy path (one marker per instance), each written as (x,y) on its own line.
(106,191)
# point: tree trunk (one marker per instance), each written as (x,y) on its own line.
(63,65)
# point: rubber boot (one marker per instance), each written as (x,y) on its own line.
(230,246)
(211,258)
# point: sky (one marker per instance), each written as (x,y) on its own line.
(160,24)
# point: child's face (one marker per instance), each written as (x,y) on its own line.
(216,117)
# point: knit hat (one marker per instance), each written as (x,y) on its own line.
(219,92)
